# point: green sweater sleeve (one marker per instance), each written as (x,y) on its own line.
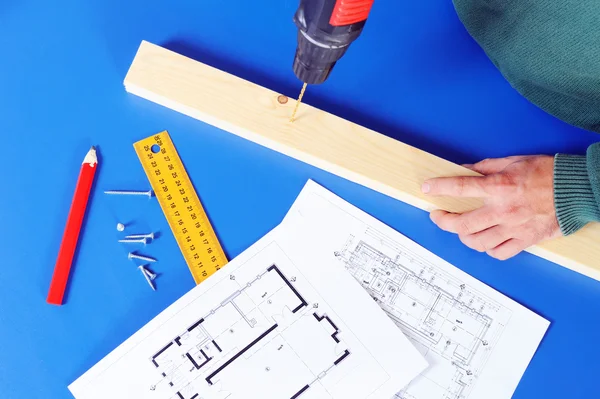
(577,189)
(548,50)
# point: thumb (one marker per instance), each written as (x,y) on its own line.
(494,165)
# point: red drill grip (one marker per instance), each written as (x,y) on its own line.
(348,12)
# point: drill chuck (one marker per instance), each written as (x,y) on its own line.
(326,28)
(314,61)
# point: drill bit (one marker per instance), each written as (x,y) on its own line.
(298,102)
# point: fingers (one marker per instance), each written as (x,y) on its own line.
(499,184)
(494,165)
(508,249)
(486,240)
(466,223)
(462,186)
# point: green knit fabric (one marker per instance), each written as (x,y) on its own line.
(549,51)
(577,189)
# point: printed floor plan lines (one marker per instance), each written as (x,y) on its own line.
(453,325)
(266,314)
(477,341)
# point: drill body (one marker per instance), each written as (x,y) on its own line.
(326,28)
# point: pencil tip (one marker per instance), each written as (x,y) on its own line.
(91,156)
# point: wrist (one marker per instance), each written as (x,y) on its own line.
(574,199)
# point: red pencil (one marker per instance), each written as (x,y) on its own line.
(71,233)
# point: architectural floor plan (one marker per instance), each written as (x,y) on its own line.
(269,325)
(259,333)
(455,326)
(477,342)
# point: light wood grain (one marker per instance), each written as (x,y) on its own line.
(321,139)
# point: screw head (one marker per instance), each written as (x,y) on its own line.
(120,227)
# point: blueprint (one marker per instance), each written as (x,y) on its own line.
(269,325)
(477,341)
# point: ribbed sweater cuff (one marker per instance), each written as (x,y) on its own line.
(573,195)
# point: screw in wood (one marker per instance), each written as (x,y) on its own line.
(120,227)
(125,192)
(138,241)
(146,275)
(132,255)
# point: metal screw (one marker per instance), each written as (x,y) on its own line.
(147,277)
(149,236)
(124,192)
(131,255)
(140,241)
(120,227)
(151,275)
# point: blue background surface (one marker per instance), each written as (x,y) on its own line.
(415,75)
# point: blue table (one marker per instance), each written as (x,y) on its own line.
(419,76)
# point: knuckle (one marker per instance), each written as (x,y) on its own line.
(463,227)
(484,163)
(511,211)
(506,183)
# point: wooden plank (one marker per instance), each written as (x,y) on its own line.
(321,139)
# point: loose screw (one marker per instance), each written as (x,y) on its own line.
(140,241)
(131,255)
(151,276)
(124,192)
(149,236)
(148,276)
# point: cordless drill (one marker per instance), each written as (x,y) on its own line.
(326,28)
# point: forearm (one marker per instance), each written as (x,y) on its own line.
(577,189)
(547,49)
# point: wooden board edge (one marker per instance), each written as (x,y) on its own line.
(548,250)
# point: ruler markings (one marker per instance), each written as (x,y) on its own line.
(181,206)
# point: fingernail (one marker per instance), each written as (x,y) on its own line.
(425,188)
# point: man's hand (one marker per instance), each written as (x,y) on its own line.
(518,209)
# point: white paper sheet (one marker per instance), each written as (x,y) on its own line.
(477,341)
(268,325)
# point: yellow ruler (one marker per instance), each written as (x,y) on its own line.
(180,204)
